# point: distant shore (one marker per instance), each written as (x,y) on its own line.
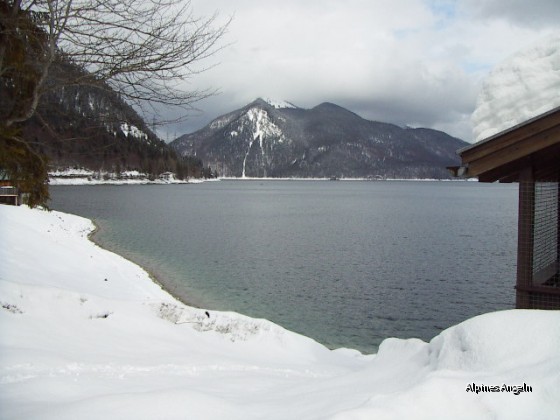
(78,180)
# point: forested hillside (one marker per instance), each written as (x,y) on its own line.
(90,126)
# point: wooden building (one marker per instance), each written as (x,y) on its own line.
(528,154)
(9,194)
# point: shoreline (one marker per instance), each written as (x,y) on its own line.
(154,277)
(189,283)
(346,179)
(80,181)
(87,334)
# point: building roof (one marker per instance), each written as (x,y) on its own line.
(501,157)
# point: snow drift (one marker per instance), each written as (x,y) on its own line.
(522,87)
(87,334)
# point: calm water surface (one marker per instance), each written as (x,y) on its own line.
(347,263)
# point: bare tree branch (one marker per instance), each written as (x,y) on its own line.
(147,51)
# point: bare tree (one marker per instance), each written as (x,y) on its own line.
(144,50)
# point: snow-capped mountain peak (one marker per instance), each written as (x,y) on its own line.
(275,103)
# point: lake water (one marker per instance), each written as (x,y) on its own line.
(347,263)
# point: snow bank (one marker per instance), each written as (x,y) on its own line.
(522,87)
(86,334)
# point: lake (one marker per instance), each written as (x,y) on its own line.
(347,263)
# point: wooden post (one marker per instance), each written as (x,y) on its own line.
(558,227)
(525,238)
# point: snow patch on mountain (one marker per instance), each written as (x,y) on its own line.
(134,131)
(262,124)
(220,122)
(278,104)
(262,129)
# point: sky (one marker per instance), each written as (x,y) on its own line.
(417,63)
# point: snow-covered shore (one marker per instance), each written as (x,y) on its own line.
(87,177)
(86,334)
(80,176)
(114,181)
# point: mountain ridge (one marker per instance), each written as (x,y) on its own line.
(260,140)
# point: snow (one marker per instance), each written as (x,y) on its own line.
(262,128)
(81,176)
(134,131)
(524,86)
(221,122)
(87,334)
(278,104)
(71,172)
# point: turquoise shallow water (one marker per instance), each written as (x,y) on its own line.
(347,263)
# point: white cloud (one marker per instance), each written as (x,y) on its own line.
(411,62)
(533,14)
(524,86)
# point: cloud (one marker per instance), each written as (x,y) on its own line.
(532,14)
(409,62)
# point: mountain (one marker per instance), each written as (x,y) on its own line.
(277,139)
(88,125)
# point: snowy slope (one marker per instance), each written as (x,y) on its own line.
(276,103)
(85,334)
(522,87)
